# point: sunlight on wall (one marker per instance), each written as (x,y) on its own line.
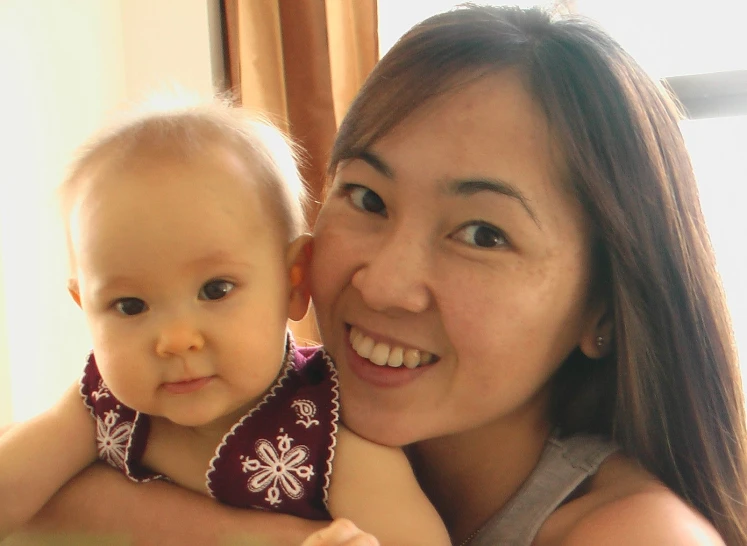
(50,55)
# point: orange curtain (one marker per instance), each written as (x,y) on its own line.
(301,62)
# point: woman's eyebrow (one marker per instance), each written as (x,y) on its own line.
(375,162)
(473,186)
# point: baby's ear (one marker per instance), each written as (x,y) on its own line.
(74,290)
(298,259)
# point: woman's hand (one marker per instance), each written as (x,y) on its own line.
(341,532)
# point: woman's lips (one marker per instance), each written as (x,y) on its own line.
(187,387)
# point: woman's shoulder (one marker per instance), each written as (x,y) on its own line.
(624,505)
(656,516)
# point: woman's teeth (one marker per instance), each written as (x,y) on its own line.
(383,354)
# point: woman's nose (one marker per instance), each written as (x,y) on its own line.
(177,337)
(395,275)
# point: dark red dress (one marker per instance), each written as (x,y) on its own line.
(277,457)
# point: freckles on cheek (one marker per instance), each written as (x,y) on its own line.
(331,262)
(503,310)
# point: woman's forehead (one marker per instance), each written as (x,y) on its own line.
(492,123)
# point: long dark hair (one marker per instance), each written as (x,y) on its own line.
(670,391)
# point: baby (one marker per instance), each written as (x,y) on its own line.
(188,256)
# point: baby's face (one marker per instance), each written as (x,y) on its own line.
(183,276)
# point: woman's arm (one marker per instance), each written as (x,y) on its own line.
(101,501)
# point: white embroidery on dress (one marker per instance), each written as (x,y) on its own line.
(111,439)
(335,415)
(281,467)
(305,410)
(102,391)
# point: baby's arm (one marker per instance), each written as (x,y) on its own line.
(37,457)
(375,487)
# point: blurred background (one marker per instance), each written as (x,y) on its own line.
(68,66)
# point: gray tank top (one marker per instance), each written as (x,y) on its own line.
(563,466)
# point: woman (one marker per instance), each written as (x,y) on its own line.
(512,198)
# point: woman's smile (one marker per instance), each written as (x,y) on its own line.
(384,363)
(389,354)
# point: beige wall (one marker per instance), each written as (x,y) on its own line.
(166,44)
(66,67)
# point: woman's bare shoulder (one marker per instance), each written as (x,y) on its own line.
(624,506)
(649,517)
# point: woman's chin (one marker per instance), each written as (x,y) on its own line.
(378,427)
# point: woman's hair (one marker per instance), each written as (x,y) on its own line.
(175,131)
(670,391)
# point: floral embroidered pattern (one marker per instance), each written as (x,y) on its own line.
(112,438)
(278,469)
(305,411)
(102,391)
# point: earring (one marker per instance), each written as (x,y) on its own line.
(600,341)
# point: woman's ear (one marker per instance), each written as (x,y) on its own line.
(598,339)
(298,260)
(74,290)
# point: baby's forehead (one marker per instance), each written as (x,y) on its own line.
(162,205)
(154,165)
(217,186)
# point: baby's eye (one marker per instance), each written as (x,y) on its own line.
(130,306)
(215,290)
(365,199)
(481,235)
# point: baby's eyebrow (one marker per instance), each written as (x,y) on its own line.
(472,186)
(112,284)
(218,257)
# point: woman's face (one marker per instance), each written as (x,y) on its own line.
(452,245)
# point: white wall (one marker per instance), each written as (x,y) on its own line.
(65,68)
(718,146)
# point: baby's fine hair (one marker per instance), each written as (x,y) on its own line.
(178,132)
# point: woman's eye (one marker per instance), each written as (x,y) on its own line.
(130,306)
(482,236)
(215,290)
(365,199)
